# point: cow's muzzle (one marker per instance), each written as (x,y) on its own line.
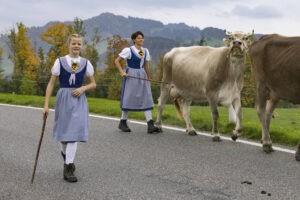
(237,43)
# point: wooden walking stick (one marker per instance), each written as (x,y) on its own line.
(39,146)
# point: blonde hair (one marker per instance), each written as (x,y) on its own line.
(74,35)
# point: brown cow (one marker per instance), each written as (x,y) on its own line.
(276,71)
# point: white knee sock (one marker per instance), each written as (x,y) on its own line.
(124,115)
(71,152)
(63,147)
(148,115)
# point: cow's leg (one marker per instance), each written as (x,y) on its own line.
(232,114)
(261,100)
(215,115)
(297,155)
(238,127)
(271,105)
(162,100)
(186,105)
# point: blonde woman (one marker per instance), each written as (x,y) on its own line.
(71,123)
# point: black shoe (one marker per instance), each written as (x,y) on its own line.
(69,173)
(123,126)
(64,157)
(151,127)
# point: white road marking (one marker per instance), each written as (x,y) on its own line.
(165,127)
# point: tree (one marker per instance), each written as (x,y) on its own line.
(1,70)
(202,41)
(159,69)
(111,76)
(23,57)
(43,73)
(91,53)
(248,91)
(12,44)
(57,36)
(78,27)
(3,81)
(158,73)
(28,86)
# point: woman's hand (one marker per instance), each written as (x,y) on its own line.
(123,74)
(45,112)
(77,92)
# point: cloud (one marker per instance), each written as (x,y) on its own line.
(261,11)
(264,16)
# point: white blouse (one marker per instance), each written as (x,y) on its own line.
(56,67)
(126,54)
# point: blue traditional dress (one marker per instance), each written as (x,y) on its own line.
(136,94)
(71,113)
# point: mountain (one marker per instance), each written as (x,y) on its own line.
(159,38)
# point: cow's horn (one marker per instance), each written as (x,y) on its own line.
(227,34)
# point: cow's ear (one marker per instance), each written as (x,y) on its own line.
(226,42)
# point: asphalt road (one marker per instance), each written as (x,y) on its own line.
(116,165)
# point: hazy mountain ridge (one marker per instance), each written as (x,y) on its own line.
(159,38)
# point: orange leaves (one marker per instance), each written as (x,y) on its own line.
(57,35)
(25,60)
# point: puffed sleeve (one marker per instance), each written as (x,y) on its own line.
(125,54)
(147,55)
(56,68)
(89,69)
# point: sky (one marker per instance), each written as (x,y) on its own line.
(266,17)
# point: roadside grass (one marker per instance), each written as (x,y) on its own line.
(284,129)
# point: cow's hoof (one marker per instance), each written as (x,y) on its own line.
(234,137)
(192,133)
(267,148)
(297,157)
(216,138)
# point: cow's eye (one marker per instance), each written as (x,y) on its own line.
(246,38)
(230,38)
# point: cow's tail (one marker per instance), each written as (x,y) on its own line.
(178,109)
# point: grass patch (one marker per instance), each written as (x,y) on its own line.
(284,129)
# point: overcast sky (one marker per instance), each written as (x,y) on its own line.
(268,16)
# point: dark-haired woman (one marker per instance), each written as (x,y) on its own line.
(136,94)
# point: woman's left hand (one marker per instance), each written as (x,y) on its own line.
(77,92)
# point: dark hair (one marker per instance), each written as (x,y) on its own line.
(134,35)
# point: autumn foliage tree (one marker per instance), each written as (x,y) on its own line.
(111,77)
(57,36)
(24,59)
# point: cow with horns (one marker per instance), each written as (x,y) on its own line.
(202,73)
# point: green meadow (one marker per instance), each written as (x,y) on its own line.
(285,128)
